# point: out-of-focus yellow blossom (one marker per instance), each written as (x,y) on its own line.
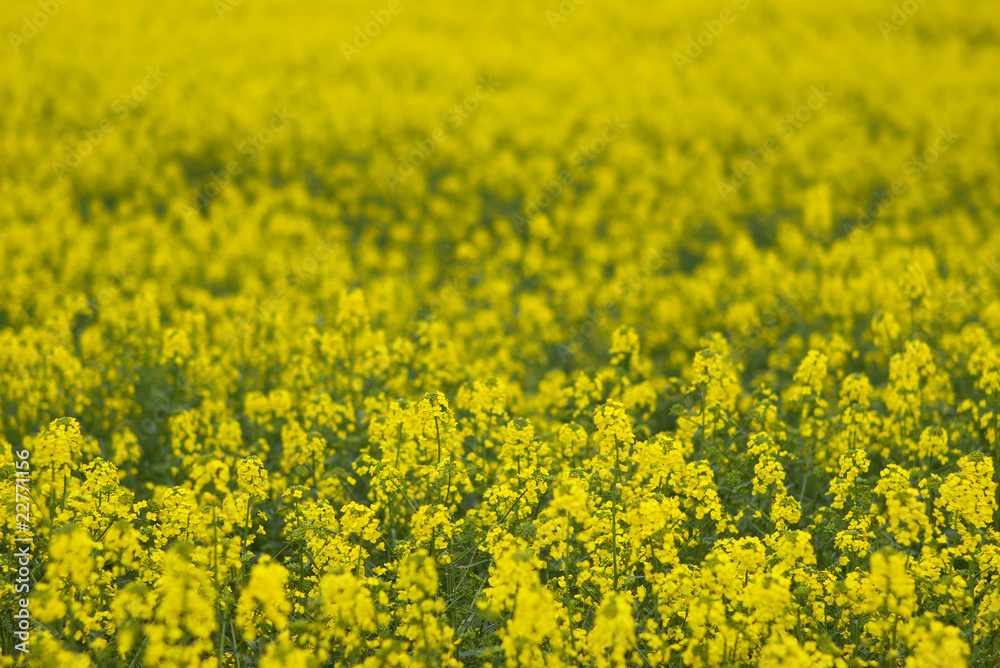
(263,599)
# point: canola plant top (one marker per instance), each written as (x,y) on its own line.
(524,334)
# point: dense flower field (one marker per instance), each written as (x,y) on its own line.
(522,334)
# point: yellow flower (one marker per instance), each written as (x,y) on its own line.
(614,429)
(613,635)
(971,493)
(937,645)
(251,476)
(264,592)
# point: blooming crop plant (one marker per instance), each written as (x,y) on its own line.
(518,334)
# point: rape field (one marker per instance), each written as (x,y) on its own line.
(524,334)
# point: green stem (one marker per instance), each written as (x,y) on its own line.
(243,545)
(702,448)
(399,445)
(218,585)
(614,519)
(437,429)
(315,482)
